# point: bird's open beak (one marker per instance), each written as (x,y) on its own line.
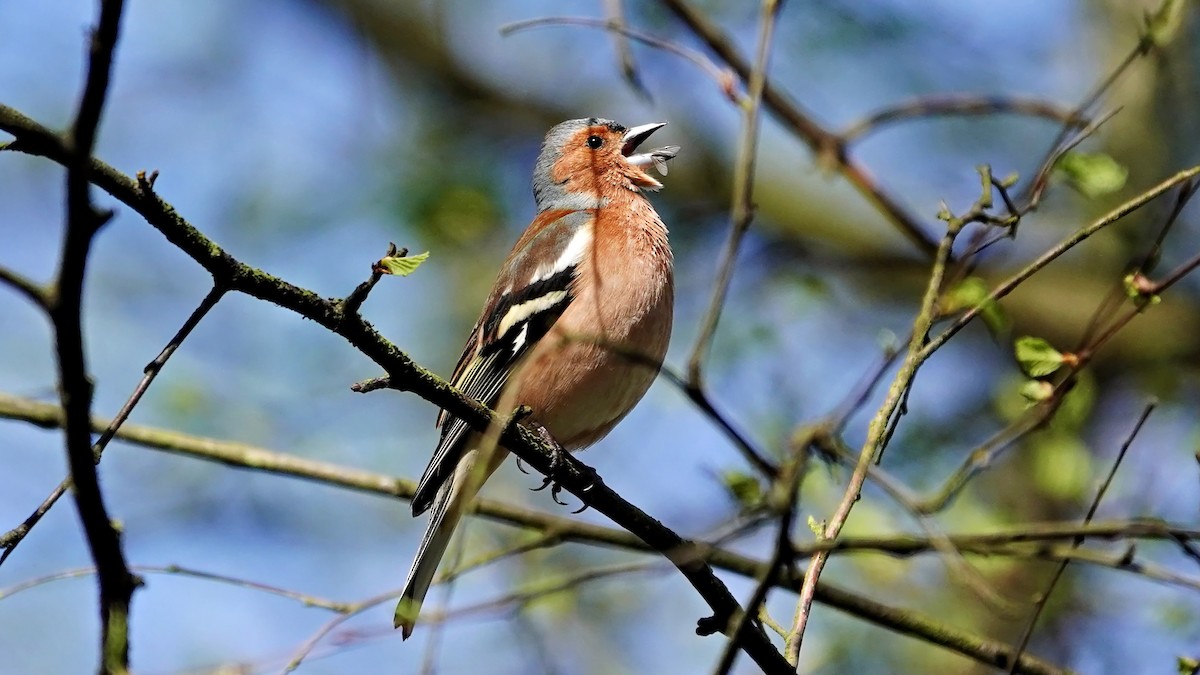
(657,158)
(637,135)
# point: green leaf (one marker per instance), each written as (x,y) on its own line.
(401,265)
(1187,665)
(744,488)
(1140,289)
(1036,391)
(1093,174)
(973,292)
(944,212)
(1036,357)
(817,527)
(1163,24)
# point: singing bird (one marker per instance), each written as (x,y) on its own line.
(578,317)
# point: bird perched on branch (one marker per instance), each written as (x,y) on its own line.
(574,328)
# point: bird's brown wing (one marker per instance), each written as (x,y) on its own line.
(525,302)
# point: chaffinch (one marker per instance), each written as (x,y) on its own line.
(587,286)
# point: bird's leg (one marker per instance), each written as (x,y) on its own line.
(557,460)
(521,413)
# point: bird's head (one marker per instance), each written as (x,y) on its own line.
(590,159)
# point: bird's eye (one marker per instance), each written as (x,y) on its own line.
(595,142)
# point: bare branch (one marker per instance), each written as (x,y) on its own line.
(960,105)
(1044,596)
(828,147)
(742,211)
(615,10)
(11,539)
(723,78)
(245,456)
(32,291)
(116,582)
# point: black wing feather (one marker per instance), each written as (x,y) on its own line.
(484,377)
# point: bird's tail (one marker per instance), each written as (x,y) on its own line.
(447,510)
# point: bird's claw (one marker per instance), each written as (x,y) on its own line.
(555,489)
(557,461)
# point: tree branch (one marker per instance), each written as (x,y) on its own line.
(75,386)
(742,211)
(14,537)
(826,145)
(905,622)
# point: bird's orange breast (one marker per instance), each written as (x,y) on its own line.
(608,343)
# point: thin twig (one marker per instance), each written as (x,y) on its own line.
(1044,596)
(1150,259)
(1174,276)
(1143,265)
(858,396)
(1041,179)
(353,302)
(742,211)
(723,78)
(33,292)
(179,570)
(352,610)
(983,456)
(519,599)
(696,393)
(828,147)
(699,396)
(1038,185)
(951,557)
(10,540)
(615,11)
(156,365)
(960,105)
(876,432)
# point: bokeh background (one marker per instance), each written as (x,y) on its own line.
(304,136)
